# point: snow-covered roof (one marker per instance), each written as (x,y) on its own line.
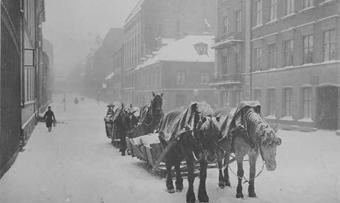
(108,77)
(183,50)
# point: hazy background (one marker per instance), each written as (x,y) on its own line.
(74,25)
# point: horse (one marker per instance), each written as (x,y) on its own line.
(150,117)
(193,138)
(255,138)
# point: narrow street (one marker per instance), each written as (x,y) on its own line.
(76,163)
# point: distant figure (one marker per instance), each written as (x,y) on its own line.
(76,101)
(49,118)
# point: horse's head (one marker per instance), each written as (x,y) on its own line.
(205,131)
(156,104)
(268,144)
(208,134)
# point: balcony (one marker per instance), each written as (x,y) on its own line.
(227,79)
(227,40)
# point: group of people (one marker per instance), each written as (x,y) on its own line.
(123,120)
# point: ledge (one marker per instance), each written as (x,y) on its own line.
(288,16)
(306,9)
(326,2)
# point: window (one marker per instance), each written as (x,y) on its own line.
(258,95)
(238,19)
(329,45)
(288,52)
(273,10)
(225,98)
(225,24)
(237,97)
(307,102)
(272,56)
(307,3)
(271,102)
(287,102)
(237,62)
(204,78)
(259,12)
(290,7)
(201,48)
(180,78)
(225,64)
(29,76)
(257,58)
(308,44)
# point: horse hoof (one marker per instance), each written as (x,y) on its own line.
(171,191)
(239,195)
(253,194)
(227,184)
(221,186)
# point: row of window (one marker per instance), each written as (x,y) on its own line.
(287,102)
(181,78)
(237,25)
(328,50)
(289,8)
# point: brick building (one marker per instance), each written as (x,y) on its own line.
(181,70)
(153,20)
(22,75)
(294,62)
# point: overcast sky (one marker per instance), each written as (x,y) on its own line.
(72,26)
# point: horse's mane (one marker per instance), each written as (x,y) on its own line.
(256,125)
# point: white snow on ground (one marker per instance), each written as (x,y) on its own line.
(76,163)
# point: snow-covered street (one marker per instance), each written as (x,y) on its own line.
(76,163)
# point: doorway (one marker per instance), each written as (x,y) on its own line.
(327,107)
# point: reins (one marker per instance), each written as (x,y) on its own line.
(244,178)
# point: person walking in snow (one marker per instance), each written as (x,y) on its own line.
(49,118)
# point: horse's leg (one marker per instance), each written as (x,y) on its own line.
(123,144)
(191,178)
(221,182)
(240,174)
(169,184)
(202,192)
(252,171)
(179,179)
(226,169)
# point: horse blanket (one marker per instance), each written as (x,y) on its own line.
(183,122)
(234,120)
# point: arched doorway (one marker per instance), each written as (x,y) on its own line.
(327,105)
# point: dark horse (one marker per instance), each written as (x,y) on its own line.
(249,135)
(150,117)
(191,136)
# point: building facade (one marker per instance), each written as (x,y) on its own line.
(153,20)
(292,65)
(22,75)
(231,54)
(295,49)
(10,98)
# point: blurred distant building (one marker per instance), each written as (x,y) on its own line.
(99,64)
(151,21)
(294,59)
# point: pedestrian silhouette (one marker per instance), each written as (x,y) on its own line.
(49,119)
